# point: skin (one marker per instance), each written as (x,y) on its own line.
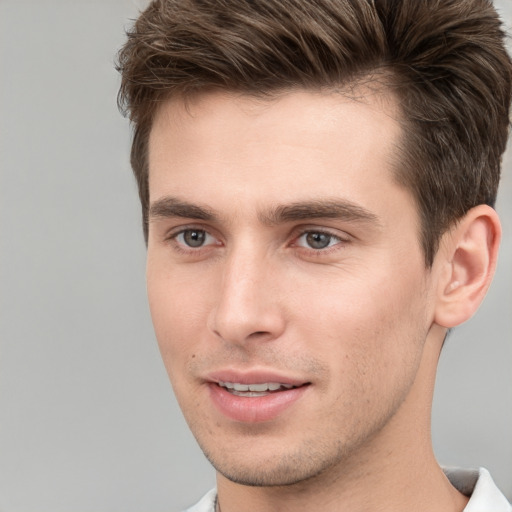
(358,320)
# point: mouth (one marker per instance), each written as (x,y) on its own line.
(254,397)
(254,390)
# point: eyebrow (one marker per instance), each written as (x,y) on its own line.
(169,206)
(319,209)
(173,207)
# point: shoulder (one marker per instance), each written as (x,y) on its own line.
(480,487)
(206,503)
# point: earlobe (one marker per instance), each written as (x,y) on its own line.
(469,252)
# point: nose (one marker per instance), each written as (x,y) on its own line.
(247,305)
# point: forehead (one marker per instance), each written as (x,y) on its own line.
(294,143)
(313,108)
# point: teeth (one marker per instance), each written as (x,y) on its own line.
(249,393)
(257,388)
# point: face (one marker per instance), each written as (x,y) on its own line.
(285,277)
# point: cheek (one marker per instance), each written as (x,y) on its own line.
(373,329)
(178,313)
(380,300)
(390,338)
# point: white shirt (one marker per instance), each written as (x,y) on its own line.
(477,483)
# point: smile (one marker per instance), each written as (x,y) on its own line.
(254,402)
(254,390)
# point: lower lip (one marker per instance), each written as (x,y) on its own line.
(254,409)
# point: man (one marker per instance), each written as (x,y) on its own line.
(317,181)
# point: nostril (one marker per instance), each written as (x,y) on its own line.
(259,335)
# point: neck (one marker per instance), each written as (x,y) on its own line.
(395,471)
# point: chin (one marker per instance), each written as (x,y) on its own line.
(271,477)
(276,470)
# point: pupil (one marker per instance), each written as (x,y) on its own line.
(318,240)
(194,238)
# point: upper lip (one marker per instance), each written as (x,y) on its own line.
(253,377)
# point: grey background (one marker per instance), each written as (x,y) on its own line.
(88,422)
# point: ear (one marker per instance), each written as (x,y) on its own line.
(468,254)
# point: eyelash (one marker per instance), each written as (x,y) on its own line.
(188,250)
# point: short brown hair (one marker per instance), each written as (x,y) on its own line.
(444,59)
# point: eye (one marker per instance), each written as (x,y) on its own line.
(317,240)
(194,238)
